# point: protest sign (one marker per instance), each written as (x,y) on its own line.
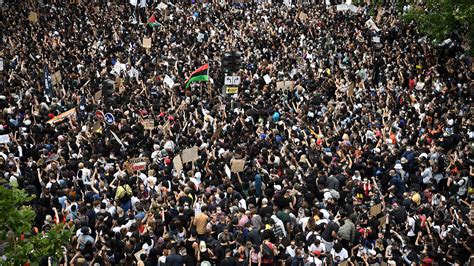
(33,17)
(56,78)
(149,124)
(98,95)
(231,90)
(5,138)
(137,164)
(178,164)
(70,113)
(146,42)
(162,6)
(169,81)
(190,155)
(376,39)
(303,16)
(376,209)
(267,79)
(237,165)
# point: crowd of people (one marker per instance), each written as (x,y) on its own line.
(366,159)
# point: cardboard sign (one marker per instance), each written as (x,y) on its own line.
(238,166)
(137,164)
(285,85)
(190,155)
(149,124)
(146,42)
(303,16)
(5,138)
(98,95)
(33,17)
(178,164)
(350,92)
(56,78)
(376,209)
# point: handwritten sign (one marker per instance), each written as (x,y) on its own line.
(303,16)
(56,78)
(232,80)
(5,138)
(178,164)
(238,166)
(149,124)
(98,95)
(33,17)
(146,42)
(285,85)
(376,209)
(138,164)
(190,155)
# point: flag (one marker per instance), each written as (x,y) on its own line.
(200,74)
(152,21)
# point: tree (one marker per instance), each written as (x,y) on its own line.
(439,18)
(16,230)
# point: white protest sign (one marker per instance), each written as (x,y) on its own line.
(1,64)
(190,155)
(169,81)
(133,73)
(200,37)
(376,39)
(232,80)
(162,6)
(371,25)
(5,138)
(267,79)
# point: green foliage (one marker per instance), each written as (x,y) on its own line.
(438,18)
(16,220)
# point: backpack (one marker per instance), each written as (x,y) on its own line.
(311,238)
(267,252)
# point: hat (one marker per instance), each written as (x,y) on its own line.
(398,167)
(264,201)
(276,117)
(167,161)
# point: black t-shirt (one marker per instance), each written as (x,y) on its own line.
(229,261)
(327,233)
(265,210)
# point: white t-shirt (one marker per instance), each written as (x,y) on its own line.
(341,256)
(315,260)
(291,251)
(411,224)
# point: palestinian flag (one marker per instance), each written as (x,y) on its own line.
(200,74)
(152,21)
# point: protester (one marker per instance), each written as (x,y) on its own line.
(365,157)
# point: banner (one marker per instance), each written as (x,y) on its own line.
(190,155)
(62,116)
